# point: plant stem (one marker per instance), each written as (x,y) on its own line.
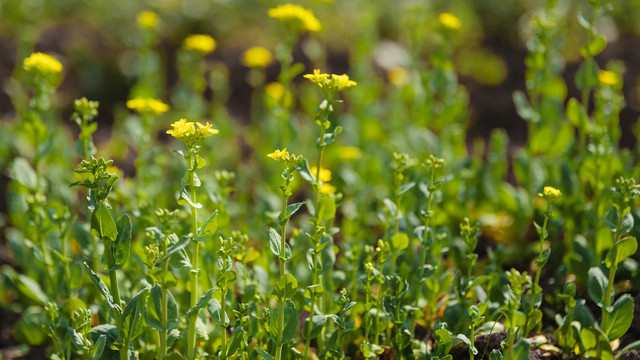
(312,305)
(282,261)
(224,328)
(191,336)
(612,274)
(163,334)
(113,277)
(538,272)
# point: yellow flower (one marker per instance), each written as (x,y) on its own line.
(199,43)
(350,153)
(277,92)
(42,63)
(147,106)
(398,76)
(279,155)
(327,189)
(550,193)
(342,81)
(325,174)
(297,16)
(317,77)
(331,84)
(148,20)
(450,21)
(608,78)
(257,56)
(188,133)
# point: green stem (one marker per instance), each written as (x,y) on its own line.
(191,336)
(282,261)
(312,305)
(224,328)
(163,334)
(612,274)
(113,280)
(316,186)
(538,272)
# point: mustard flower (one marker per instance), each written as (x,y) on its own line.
(450,21)
(297,16)
(550,193)
(190,132)
(398,75)
(199,43)
(607,78)
(331,84)
(350,153)
(325,174)
(257,56)
(279,94)
(147,106)
(40,63)
(288,160)
(279,155)
(147,20)
(317,77)
(327,189)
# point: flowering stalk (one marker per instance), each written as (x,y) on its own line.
(190,133)
(550,194)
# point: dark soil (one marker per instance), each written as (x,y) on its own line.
(630,355)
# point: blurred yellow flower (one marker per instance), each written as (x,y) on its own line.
(608,78)
(257,56)
(325,174)
(327,189)
(277,92)
(317,77)
(398,76)
(550,193)
(199,43)
(190,132)
(450,21)
(147,106)
(297,15)
(279,155)
(42,63)
(148,20)
(350,153)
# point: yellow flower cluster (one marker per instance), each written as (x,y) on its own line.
(148,20)
(450,21)
(257,56)
(147,106)
(607,78)
(280,95)
(288,160)
(297,16)
(550,193)
(190,132)
(199,43)
(325,176)
(42,64)
(331,82)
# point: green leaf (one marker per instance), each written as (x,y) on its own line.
(202,302)
(209,228)
(620,318)
(132,324)
(102,287)
(274,241)
(468,343)
(29,330)
(153,311)
(265,355)
(290,321)
(399,241)
(587,76)
(235,340)
(215,310)
(522,106)
(326,208)
(596,344)
(122,243)
(597,285)
(611,219)
(102,222)
(318,323)
(98,348)
(291,209)
(305,171)
(22,172)
(180,260)
(184,241)
(76,338)
(622,249)
(31,289)
(577,115)
(185,198)
(594,47)
(286,287)
(627,223)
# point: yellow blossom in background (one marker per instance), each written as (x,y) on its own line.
(42,63)
(148,20)
(279,155)
(608,78)
(550,193)
(279,94)
(450,21)
(398,76)
(325,174)
(257,56)
(296,15)
(350,153)
(190,132)
(200,43)
(327,189)
(147,106)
